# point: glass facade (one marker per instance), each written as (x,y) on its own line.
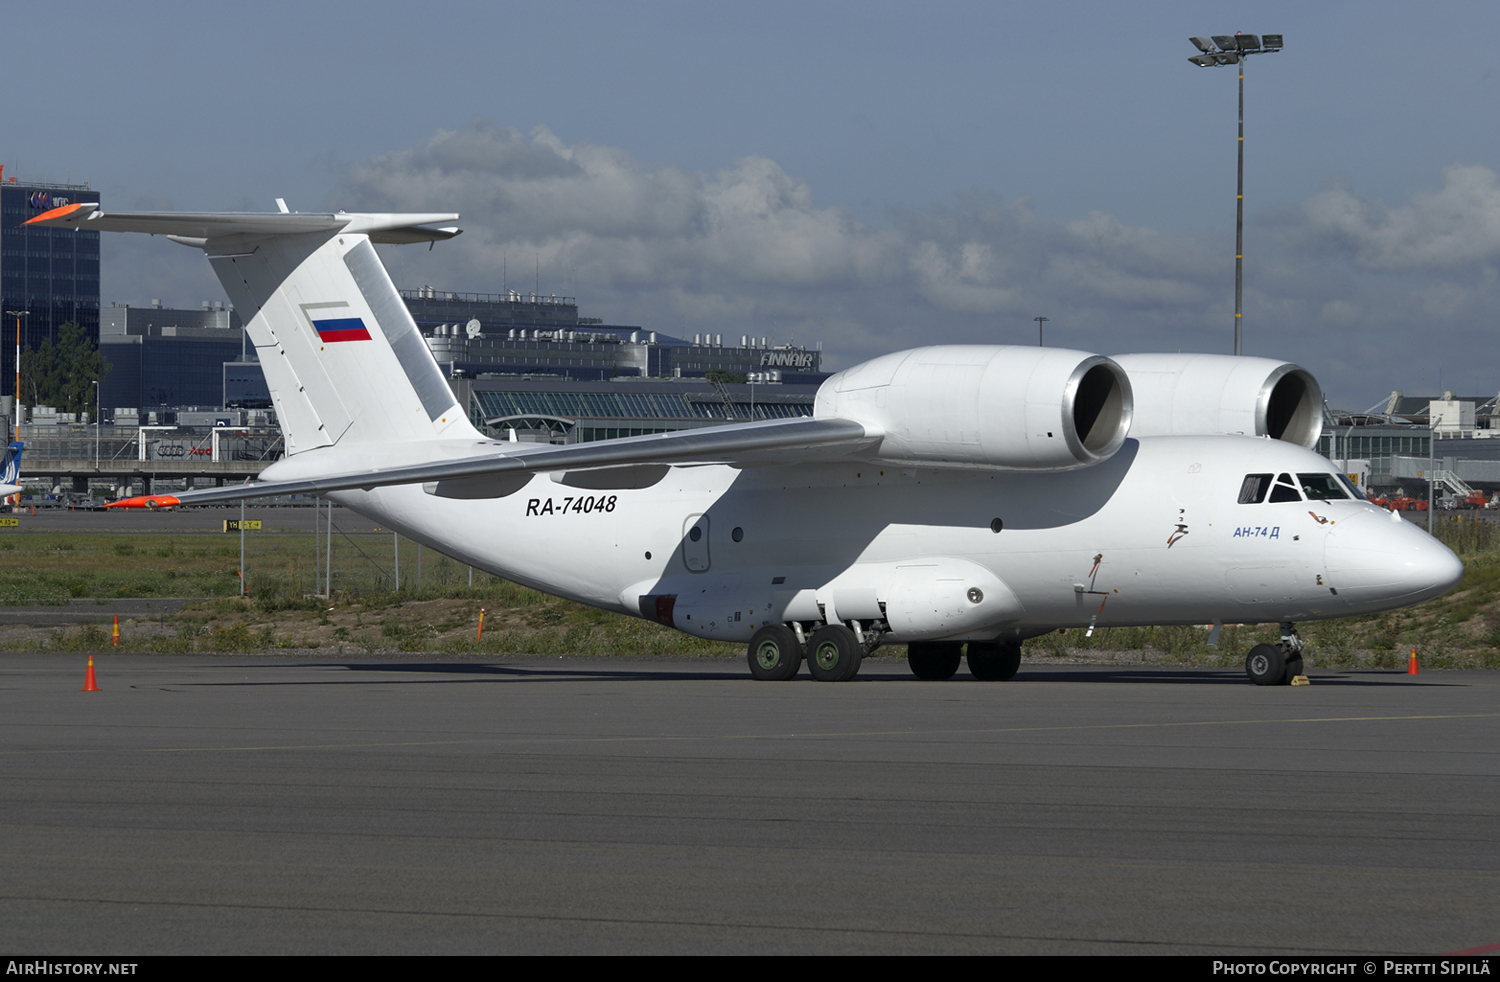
(153,372)
(631,405)
(581,412)
(1377,444)
(53,273)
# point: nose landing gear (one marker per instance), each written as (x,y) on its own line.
(1276,664)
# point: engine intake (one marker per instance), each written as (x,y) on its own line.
(1204,394)
(1000,406)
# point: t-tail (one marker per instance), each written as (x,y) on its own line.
(351,376)
(341,354)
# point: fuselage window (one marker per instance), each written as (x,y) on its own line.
(1284,490)
(1322,487)
(1253,491)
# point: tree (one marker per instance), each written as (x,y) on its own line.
(62,373)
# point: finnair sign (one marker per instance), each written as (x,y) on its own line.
(786,359)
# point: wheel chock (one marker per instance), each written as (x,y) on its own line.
(1301,680)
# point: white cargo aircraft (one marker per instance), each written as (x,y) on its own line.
(941,497)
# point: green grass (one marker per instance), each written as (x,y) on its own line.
(279,611)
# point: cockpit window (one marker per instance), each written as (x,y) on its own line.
(1253,491)
(1352,487)
(1322,487)
(1284,490)
(1316,487)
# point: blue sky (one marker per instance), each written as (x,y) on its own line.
(872,175)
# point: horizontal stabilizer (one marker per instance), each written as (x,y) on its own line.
(772,441)
(206,226)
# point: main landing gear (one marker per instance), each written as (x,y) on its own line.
(989,661)
(1276,664)
(833,652)
(775,654)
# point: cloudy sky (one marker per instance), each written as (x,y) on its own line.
(869,175)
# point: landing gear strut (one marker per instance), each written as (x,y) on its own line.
(1276,664)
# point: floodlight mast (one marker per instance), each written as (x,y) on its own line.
(1233,50)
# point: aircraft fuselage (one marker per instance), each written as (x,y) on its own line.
(1154,535)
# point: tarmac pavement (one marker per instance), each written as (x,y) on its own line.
(406,805)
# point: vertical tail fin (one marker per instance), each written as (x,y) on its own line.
(10,464)
(342,356)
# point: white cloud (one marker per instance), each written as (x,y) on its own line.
(1457,225)
(750,246)
(1341,313)
(633,227)
(1340,281)
(964,277)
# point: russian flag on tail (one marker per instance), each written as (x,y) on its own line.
(342,329)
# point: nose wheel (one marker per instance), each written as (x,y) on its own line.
(1276,664)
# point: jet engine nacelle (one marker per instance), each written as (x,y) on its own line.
(1207,394)
(1022,408)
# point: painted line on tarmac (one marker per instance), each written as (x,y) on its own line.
(701,738)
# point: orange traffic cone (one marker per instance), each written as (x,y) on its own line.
(88,679)
(114,639)
(1411,668)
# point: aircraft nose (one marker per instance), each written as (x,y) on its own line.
(1374,559)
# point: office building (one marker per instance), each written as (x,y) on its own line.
(51,273)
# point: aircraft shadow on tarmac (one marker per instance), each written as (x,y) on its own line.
(894,672)
(1206,676)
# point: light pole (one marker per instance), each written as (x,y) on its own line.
(18,315)
(1233,50)
(1434,421)
(1039,322)
(96,426)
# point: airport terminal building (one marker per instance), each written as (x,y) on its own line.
(160,356)
(163,359)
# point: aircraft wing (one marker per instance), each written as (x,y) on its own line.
(746,444)
(194,228)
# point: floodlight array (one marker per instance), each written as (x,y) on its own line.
(1228,49)
(1231,49)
